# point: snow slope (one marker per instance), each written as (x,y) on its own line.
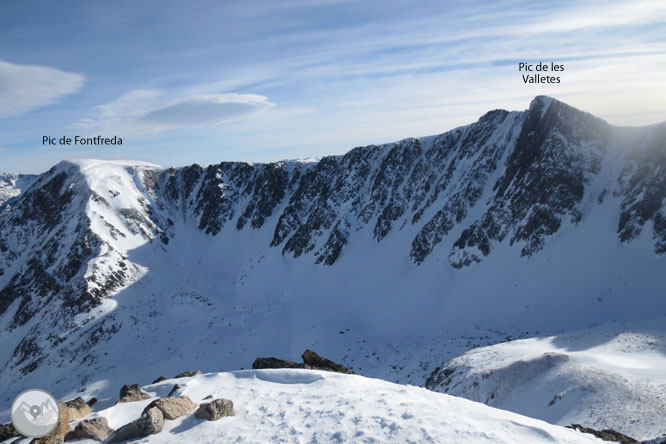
(302,406)
(607,376)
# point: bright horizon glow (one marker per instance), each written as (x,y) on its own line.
(207,81)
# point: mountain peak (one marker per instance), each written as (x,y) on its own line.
(542,104)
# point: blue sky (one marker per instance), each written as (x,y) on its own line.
(205,81)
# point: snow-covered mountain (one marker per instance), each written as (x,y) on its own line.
(390,259)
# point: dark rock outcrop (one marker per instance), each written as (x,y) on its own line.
(311,361)
(316,362)
(160,379)
(606,435)
(261,363)
(214,410)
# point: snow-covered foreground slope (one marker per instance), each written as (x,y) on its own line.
(609,376)
(306,406)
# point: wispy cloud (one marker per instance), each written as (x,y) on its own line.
(140,112)
(343,72)
(24,88)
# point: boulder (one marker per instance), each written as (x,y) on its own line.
(160,379)
(57,435)
(78,408)
(91,402)
(188,374)
(318,363)
(150,422)
(95,428)
(261,363)
(131,393)
(172,408)
(214,410)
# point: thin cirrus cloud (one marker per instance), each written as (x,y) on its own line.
(24,88)
(141,112)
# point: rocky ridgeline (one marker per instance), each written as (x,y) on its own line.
(532,169)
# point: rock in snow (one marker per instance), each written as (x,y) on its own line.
(78,408)
(172,408)
(187,374)
(215,409)
(132,393)
(150,422)
(606,435)
(317,362)
(262,363)
(311,360)
(93,428)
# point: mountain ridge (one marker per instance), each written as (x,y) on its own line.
(394,258)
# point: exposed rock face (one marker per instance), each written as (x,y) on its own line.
(606,435)
(261,363)
(174,407)
(131,393)
(214,410)
(187,374)
(78,408)
(94,428)
(160,379)
(318,363)
(150,422)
